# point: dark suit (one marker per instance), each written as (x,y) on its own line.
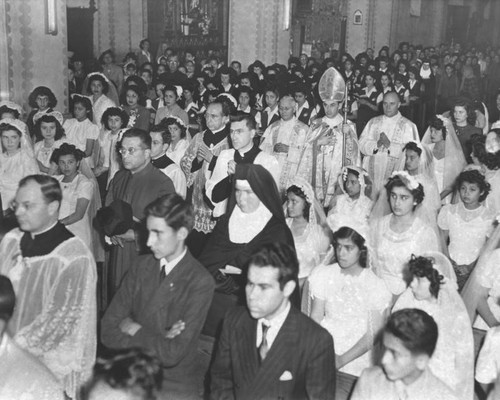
(185,294)
(302,351)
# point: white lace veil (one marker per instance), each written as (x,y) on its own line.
(454,160)
(26,145)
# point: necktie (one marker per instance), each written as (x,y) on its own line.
(163,275)
(264,347)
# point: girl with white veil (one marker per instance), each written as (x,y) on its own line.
(307,221)
(433,289)
(447,153)
(350,302)
(355,201)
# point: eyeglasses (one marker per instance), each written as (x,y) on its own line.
(131,150)
(14,206)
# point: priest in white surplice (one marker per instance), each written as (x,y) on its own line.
(383,139)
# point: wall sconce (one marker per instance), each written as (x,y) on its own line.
(50,17)
(286,14)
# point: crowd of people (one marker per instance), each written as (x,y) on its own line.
(333,228)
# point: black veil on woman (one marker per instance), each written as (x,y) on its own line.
(240,233)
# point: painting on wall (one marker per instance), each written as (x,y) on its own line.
(358,17)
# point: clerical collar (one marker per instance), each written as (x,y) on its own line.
(162,161)
(45,242)
(398,114)
(33,235)
(248,156)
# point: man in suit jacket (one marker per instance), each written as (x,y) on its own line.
(270,350)
(160,294)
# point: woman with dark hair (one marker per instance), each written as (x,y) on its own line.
(144,56)
(42,100)
(77,190)
(81,132)
(433,289)
(134,102)
(178,138)
(50,135)
(171,95)
(16,159)
(98,86)
(463,117)
(112,71)
(254,217)
(367,101)
(13,111)
(467,224)
(246,103)
(449,160)
(349,301)
(402,232)
(307,222)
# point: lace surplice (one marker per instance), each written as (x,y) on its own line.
(55,315)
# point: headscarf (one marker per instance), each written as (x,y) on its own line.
(263,185)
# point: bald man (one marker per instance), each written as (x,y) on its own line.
(383,139)
(285,139)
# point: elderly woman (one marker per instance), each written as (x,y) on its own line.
(254,217)
(433,289)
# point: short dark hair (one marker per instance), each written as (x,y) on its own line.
(4,127)
(415,328)
(438,124)
(5,109)
(42,91)
(413,146)
(114,112)
(243,116)
(345,232)
(84,101)
(141,98)
(422,267)
(128,370)
(396,181)
(249,91)
(67,149)
(174,121)
(299,192)
(170,88)
(100,78)
(138,133)
(177,212)
(7,298)
(469,108)
(51,190)
(474,176)
(48,119)
(280,256)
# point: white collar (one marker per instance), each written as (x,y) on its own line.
(33,235)
(244,227)
(274,326)
(169,266)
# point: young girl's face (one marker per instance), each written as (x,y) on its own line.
(369,81)
(384,80)
(188,96)
(80,112)
(271,99)
(244,100)
(48,130)
(295,205)
(436,135)
(412,161)
(470,193)
(460,114)
(132,98)
(175,132)
(68,164)
(11,141)
(96,88)
(352,186)
(300,98)
(115,123)
(42,102)
(401,201)
(170,98)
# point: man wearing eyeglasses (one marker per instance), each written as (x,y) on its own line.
(54,277)
(138,184)
(198,163)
